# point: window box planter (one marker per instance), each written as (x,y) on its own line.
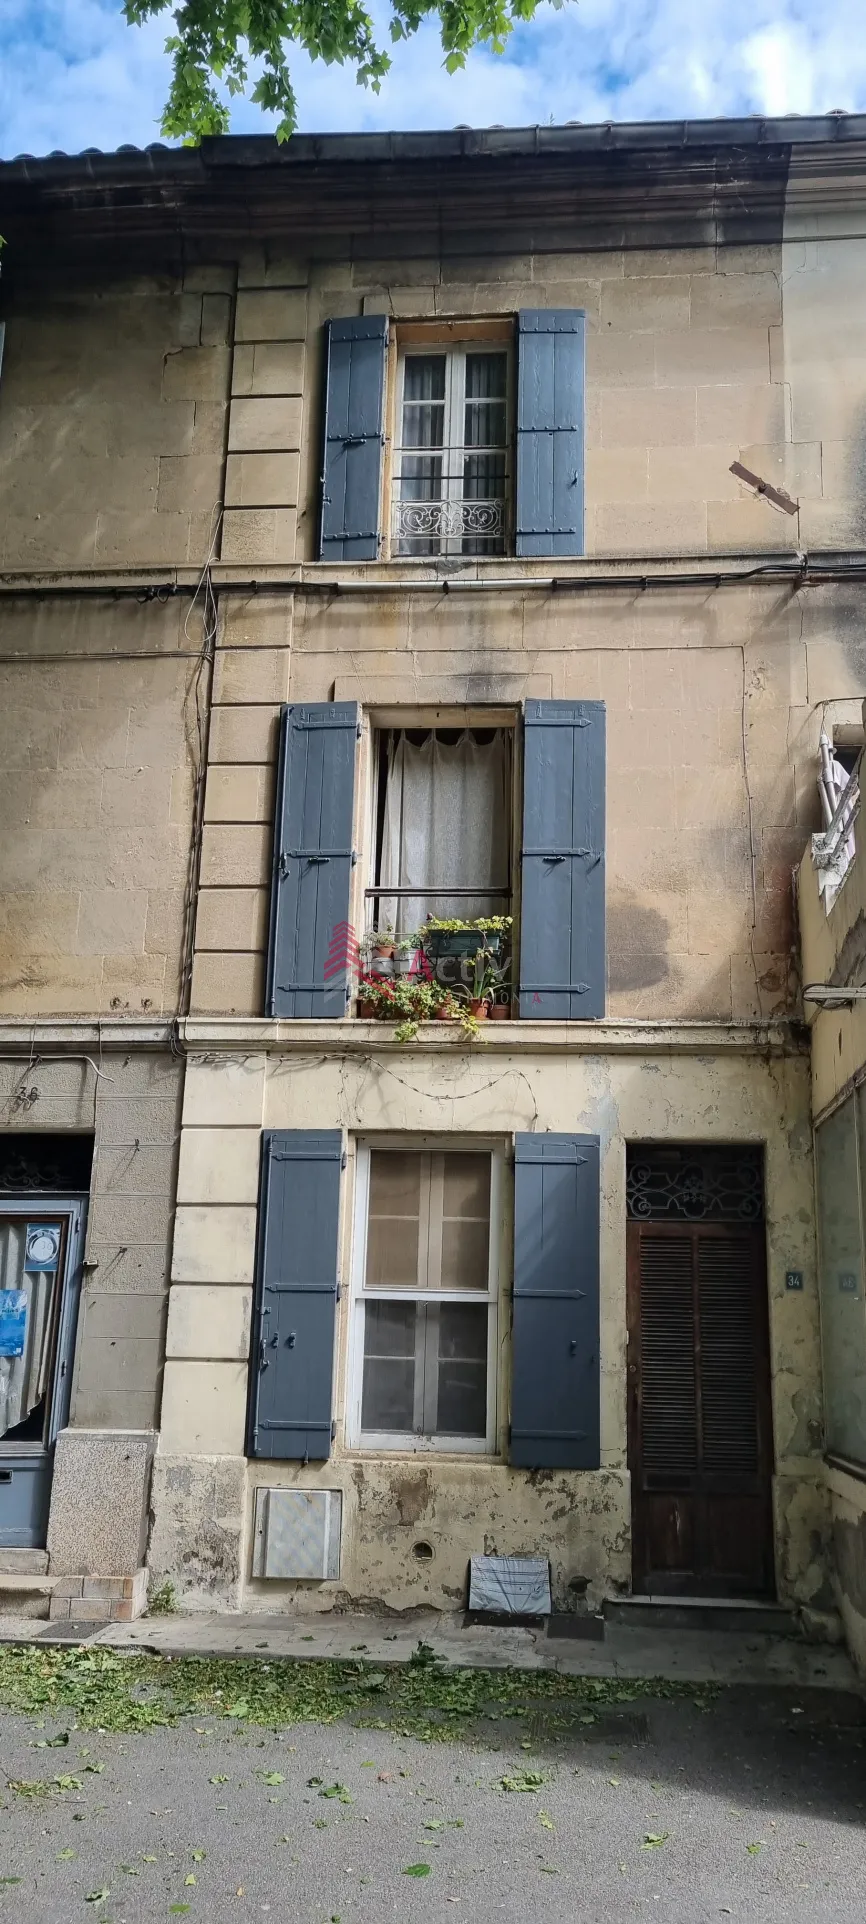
(439,943)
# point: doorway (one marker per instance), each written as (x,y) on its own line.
(699,1410)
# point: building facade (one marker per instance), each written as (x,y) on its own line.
(463,527)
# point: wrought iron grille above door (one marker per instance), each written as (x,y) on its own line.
(695,1183)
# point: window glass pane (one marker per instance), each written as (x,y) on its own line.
(843,1313)
(462,1396)
(485,401)
(465,1222)
(394,1221)
(424,401)
(388,1392)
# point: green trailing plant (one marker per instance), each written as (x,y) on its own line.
(452,924)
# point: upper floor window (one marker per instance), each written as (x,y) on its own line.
(451,456)
(461,438)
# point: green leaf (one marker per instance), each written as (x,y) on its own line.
(271,1776)
(614,1783)
(218,1780)
(190,1878)
(653,1840)
(434,1823)
(69,1783)
(148,1860)
(546,1822)
(240,1709)
(178,1909)
(198,1857)
(11,1880)
(97,1897)
(416,1870)
(94,1768)
(753,1849)
(131,1870)
(337,1790)
(63,1857)
(528,1780)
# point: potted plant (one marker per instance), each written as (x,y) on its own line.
(382,947)
(406,951)
(500,987)
(383,940)
(482,985)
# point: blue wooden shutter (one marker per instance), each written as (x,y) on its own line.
(354,437)
(550,431)
(311,944)
(555,1336)
(292,1364)
(562,940)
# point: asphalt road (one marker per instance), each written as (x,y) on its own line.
(751,1809)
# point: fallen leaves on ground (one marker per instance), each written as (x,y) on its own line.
(114,1691)
(416,1870)
(523,1780)
(653,1839)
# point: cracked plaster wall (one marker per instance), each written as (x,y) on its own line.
(460,1506)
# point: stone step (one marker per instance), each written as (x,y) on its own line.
(25,1595)
(31,1563)
(743,1615)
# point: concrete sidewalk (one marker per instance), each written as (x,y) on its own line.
(698,1656)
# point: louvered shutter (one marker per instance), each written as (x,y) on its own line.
(292,1365)
(550,431)
(562,933)
(311,942)
(555,1335)
(354,438)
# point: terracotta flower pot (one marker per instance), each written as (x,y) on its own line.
(366,1011)
(383,949)
(479,1010)
(500,1012)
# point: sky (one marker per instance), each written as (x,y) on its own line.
(74,75)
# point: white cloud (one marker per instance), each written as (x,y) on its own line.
(73,74)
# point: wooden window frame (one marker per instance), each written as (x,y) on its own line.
(385,1442)
(445,336)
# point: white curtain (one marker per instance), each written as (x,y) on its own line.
(24,1379)
(446,824)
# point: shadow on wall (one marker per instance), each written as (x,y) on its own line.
(637,945)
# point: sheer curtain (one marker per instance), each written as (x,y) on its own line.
(446,823)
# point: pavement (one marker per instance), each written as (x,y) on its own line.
(744,1803)
(626,1650)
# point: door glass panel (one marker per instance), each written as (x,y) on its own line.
(843,1313)
(30,1256)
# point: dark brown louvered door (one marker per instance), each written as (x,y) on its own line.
(700,1444)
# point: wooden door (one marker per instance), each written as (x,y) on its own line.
(700,1437)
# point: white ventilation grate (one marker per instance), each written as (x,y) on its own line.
(297,1534)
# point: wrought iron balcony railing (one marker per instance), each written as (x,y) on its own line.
(449,501)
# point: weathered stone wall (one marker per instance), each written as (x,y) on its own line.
(714,699)
(132,1105)
(98,757)
(112,423)
(203,1491)
(696,358)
